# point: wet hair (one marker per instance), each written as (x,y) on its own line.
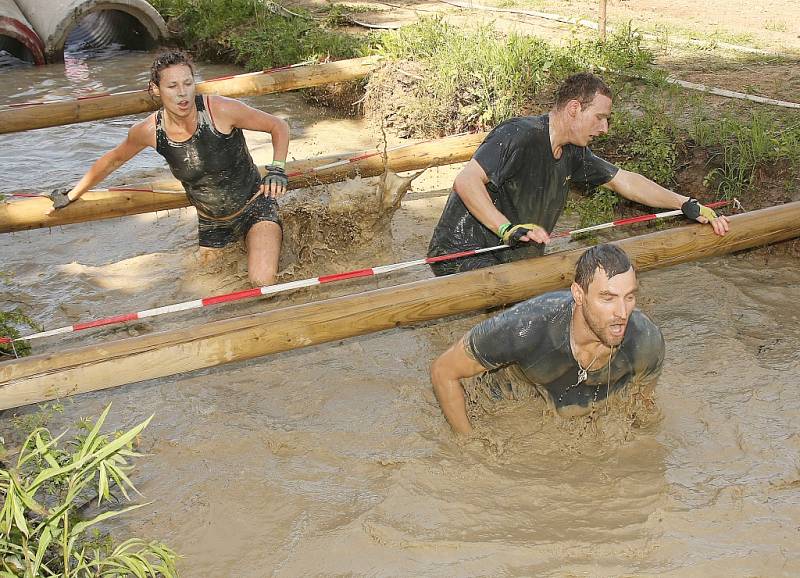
(581,87)
(610,258)
(165,60)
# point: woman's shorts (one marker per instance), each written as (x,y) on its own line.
(217,234)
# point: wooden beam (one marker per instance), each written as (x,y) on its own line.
(33,213)
(43,377)
(95,107)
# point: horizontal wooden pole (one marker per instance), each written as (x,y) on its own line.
(21,215)
(43,377)
(61,112)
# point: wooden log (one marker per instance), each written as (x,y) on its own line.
(95,107)
(42,377)
(33,213)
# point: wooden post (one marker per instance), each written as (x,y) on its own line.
(33,213)
(602,20)
(69,372)
(41,115)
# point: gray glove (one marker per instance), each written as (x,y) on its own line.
(60,198)
(275,175)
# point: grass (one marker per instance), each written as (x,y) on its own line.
(476,79)
(594,208)
(257,34)
(776,26)
(646,140)
(744,145)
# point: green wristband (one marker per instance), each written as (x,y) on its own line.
(281,164)
(502,229)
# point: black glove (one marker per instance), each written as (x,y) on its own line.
(512,234)
(60,198)
(275,175)
(693,209)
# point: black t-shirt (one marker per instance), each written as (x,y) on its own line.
(526,183)
(534,335)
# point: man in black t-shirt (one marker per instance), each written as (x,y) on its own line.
(576,348)
(515,187)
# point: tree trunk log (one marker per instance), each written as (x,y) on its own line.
(43,377)
(90,107)
(32,213)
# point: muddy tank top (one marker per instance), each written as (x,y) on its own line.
(216,169)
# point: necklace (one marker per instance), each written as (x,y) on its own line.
(583,373)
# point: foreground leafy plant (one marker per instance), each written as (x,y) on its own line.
(41,533)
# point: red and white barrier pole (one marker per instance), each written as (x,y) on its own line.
(291,285)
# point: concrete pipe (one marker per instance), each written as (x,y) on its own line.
(17,36)
(132,23)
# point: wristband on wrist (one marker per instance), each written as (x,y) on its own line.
(281,164)
(501,230)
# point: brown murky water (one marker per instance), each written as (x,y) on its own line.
(334,460)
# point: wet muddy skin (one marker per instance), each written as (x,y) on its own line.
(335,460)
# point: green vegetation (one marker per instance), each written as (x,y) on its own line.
(41,531)
(595,208)
(646,142)
(469,80)
(742,145)
(10,322)
(256,33)
(341,14)
(27,422)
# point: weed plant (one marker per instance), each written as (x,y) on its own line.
(742,145)
(596,207)
(10,322)
(645,139)
(477,79)
(256,33)
(41,532)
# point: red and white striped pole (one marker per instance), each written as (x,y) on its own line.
(247,294)
(632,220)
(291,285)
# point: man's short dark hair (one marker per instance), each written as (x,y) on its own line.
(581,87)
(610,258)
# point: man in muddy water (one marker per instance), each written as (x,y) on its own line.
(200,137)
(515,187)
(575,348)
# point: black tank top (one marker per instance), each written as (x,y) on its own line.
(216,169)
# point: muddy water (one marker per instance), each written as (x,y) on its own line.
(334,460)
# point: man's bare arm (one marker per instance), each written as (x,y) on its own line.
(642,190)
(446,372)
